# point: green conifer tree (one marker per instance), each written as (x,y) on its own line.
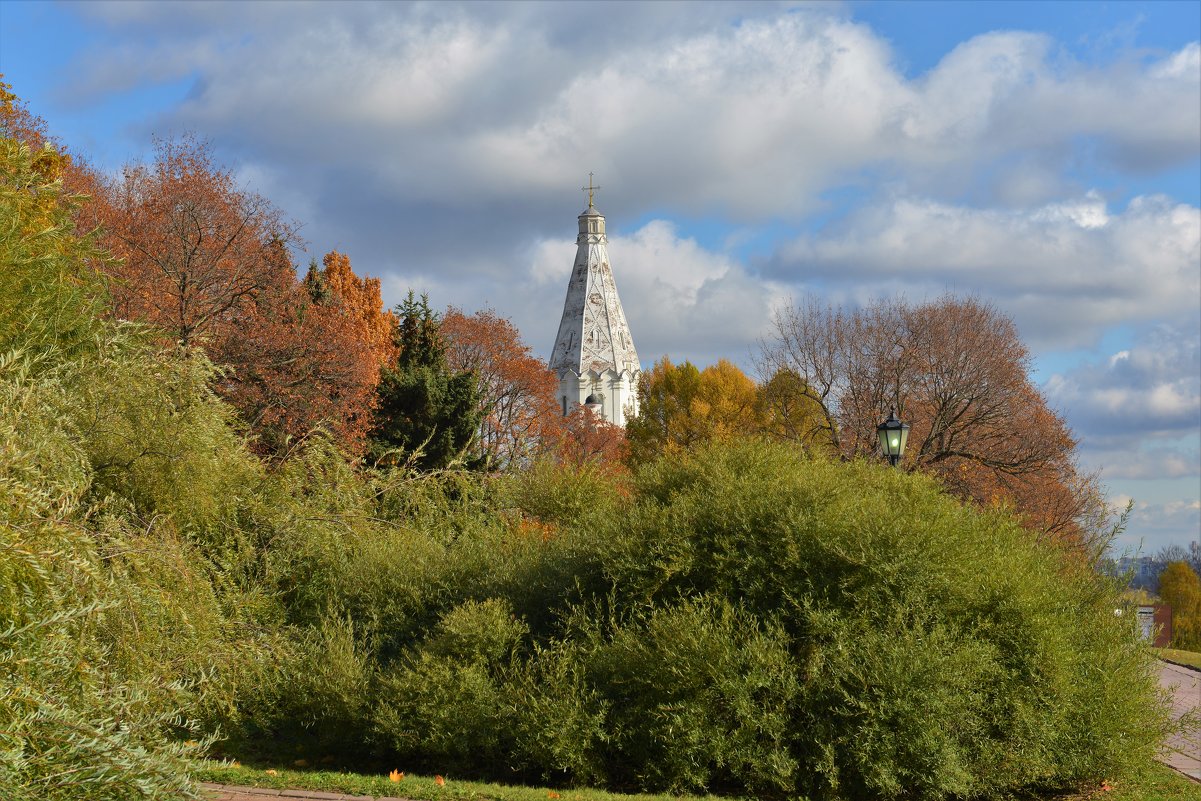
(425,412)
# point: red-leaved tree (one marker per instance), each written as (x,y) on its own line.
(520,418)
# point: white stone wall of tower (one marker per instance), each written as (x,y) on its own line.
(594,351)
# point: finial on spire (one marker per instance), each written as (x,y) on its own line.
(589,189)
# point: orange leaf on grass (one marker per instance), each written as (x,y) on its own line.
(396,775)
(438,780)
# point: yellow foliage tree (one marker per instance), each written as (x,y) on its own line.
(1180,587)
(681,406)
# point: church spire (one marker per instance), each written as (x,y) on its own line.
(594,353)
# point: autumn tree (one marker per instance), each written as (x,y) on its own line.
(680,406)
(358,299)
(585,438)
(195,250)
(665,396)
(786,410)
(1180,588)
(208,264)
(518,415)
(297,358)
(427,414)
(957,372)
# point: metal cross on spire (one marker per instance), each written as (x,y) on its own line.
(589,189)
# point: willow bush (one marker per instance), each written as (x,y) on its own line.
(125,636)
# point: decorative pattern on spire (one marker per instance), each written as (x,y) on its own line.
(593,334)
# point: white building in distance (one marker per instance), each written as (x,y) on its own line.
(594,354)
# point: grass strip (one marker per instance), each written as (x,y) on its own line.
(1156,783)
(418,788)
(1177,657)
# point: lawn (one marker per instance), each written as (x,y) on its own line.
(418,788)
(1187,658)
(1157,783)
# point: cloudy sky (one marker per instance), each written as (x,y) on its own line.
(1043,156)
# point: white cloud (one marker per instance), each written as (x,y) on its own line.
(730,108)
(1184,64)
(1065,271)
(1155,525)
(1152,387)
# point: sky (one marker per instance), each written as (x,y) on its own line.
(1044,157)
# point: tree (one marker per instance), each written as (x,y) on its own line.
(1180,588)
(957,372)
(586,439)
(52,160)
(298,359)
(359,300)
(426,413)
(787,411)
(518,415)
(1178,553)
(665,396)
(195,249)
(681,407)
(208,264)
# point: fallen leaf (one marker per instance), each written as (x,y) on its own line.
(272,772)
(396,775)
(438,780)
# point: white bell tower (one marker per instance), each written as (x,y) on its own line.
(594,354)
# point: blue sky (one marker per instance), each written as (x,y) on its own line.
(1043,156)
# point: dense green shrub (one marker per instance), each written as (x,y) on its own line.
(73,722)
(942,650)
(699,693)
(446,704)
(741,618)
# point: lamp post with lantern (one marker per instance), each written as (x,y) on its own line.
(894,436)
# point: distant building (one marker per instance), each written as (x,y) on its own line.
(594,356)
(1142,570)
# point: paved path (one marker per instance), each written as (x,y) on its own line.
(1183,751)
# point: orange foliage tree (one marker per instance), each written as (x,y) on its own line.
(208,264)
(359,299)
(300,359)
(584,438)
(519,416)
(195,249)
(957,372)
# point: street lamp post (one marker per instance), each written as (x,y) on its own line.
(894,436)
